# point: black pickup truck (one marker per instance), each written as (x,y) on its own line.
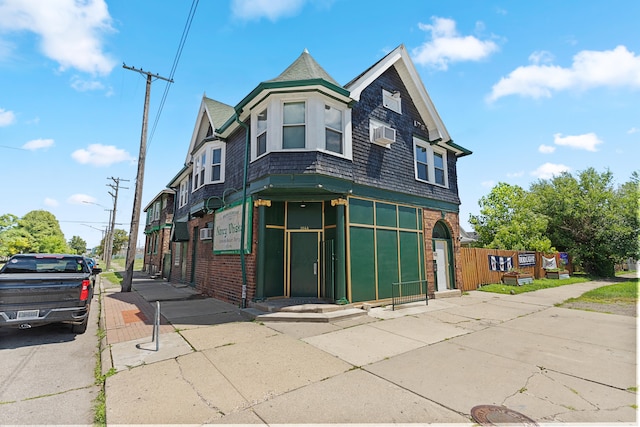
(38,289)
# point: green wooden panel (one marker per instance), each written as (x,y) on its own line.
(362,264)
(274,215)
(274,262)
(386,215)
(409,256)
(387,257)
(304,264)
(420,219)
(360,211)
(304,215)
(329,214)
(407,217)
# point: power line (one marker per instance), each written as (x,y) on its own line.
(183,40)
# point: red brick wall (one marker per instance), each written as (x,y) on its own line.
(219,276)
(430,218)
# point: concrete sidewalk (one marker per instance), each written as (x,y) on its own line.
(427,364)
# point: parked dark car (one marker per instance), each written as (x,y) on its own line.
(39,289)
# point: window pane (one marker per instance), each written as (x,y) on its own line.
(293,113)
(262,144)
(334,141)
(421,154)
(262,121)
(215,173)
(217,155)
(293,137)
(439,176)
(333,118)
(422,171)
(437,161)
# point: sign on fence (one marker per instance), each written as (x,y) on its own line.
(526,259)
(500,263)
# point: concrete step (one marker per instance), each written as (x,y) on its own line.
(307,316)
(450,293)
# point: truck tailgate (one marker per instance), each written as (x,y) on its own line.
(28,289)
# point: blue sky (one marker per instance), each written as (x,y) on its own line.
(532,88)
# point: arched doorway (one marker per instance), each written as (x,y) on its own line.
(443,257)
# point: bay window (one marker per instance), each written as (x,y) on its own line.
(333,129)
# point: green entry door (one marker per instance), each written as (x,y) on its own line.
(304,261)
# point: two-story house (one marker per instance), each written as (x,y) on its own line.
(347,189)
(158,226)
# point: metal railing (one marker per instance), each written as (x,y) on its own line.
(406,292)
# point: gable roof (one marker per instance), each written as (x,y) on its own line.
(400,59)
(216,113)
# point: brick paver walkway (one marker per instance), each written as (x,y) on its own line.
(129,317)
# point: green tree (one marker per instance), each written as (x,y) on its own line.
(78,245)
(120,238)
(589,218)
(13,238)
(45,232)
(508,221)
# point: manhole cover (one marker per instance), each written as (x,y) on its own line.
(491,415)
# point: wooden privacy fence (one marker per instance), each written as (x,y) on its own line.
(475,266)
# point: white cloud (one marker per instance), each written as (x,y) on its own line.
(546,149)
(515,174)
(79,199)
(611,68)
(101,155)
(448,46)
(541,57)
(37,144)
(51,202)
(6,117)
(488,184)
(588,141)
(633,130)
(71,31)
(85,85)
(549,170)
(270,9)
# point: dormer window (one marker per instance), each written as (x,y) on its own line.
(293,125)
(392,101)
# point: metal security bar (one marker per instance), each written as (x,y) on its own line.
(406,292)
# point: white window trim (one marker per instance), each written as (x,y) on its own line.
(314,125)
(205,169)
(392,99)
(431,173)
(183,197)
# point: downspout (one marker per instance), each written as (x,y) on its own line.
(244,211)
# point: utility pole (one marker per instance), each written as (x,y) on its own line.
(135,215)
(112,218)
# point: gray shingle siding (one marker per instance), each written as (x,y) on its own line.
(393,168)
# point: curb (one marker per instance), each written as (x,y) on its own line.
(106,361)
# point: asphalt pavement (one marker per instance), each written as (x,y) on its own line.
(420,364)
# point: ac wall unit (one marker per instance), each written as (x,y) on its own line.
(206,233)
(384,135)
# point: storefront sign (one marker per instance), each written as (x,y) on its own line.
(227,229)
(527,259)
